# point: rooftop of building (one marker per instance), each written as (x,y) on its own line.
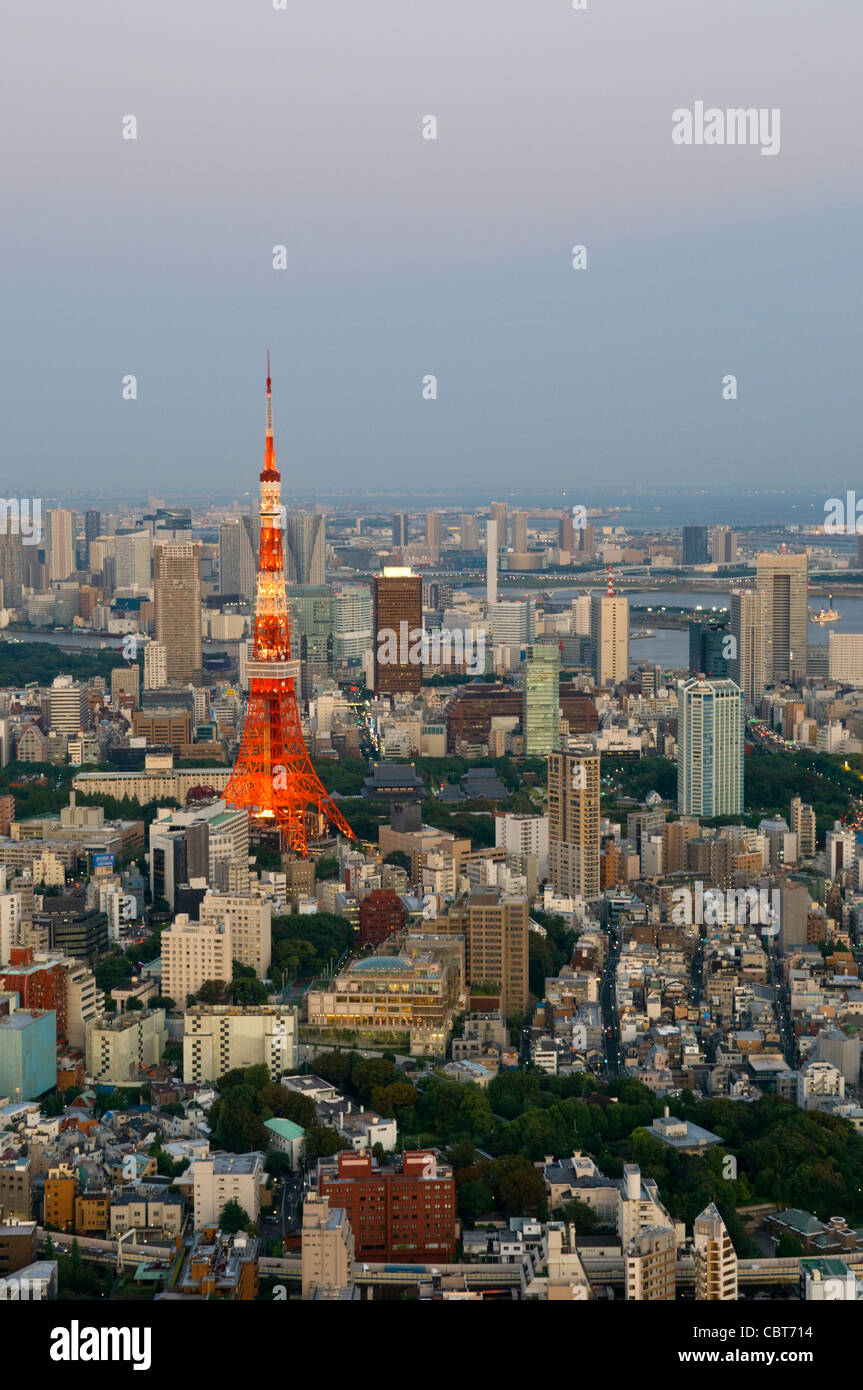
(384,964)
(285,1129)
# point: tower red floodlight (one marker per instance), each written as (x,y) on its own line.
(273,776)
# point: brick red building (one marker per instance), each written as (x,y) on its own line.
(404,1211)
(382,914)
(39,986)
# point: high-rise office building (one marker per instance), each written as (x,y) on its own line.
(238,557)
(783,579)
(723,545)
(305,542)
(519,532)
(497,946)
(695,545)
(746,663)
(541,701)
(352,625)
(132,551)
(11,568)
(586,540)
(500,515)
(513,621)
(68,709)
(566,533)
(469,531)
(573,823)
(400,530)
(715,1258)
(60,543)
(177,599)
(707,648)
(92,529)
(433,532)
(709,748)
(491,544)
(311,607)
(609,636)
(398,625)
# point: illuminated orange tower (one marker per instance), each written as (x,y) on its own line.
(273,777)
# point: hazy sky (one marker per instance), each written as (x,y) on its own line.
(302,127)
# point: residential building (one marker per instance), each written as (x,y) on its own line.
(60,543)
(497,946)
(651,1266)
(119,1049)
(193,952)
(219,1037)
(226,1177)
(327,1246)
(250,922)
(715,1258)
(573,823)
(155,666)
(710,748)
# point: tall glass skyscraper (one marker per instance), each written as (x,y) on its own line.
(709,748)
(542,701)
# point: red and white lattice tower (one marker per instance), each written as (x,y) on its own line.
(273,776)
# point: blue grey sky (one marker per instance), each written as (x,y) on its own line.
(302,127)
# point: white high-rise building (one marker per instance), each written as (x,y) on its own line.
(491,563)
(193,952)
(520,834)
(155,666)
(10,922)
(609,637)
(709,748)
(352,624)
(715,1258)
(513,622)
(67,702)
(225,1177)
(250,922)
(133,552)
(581,608)
(845,657)
(219,1037)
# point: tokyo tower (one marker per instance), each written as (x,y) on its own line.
(273,776)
